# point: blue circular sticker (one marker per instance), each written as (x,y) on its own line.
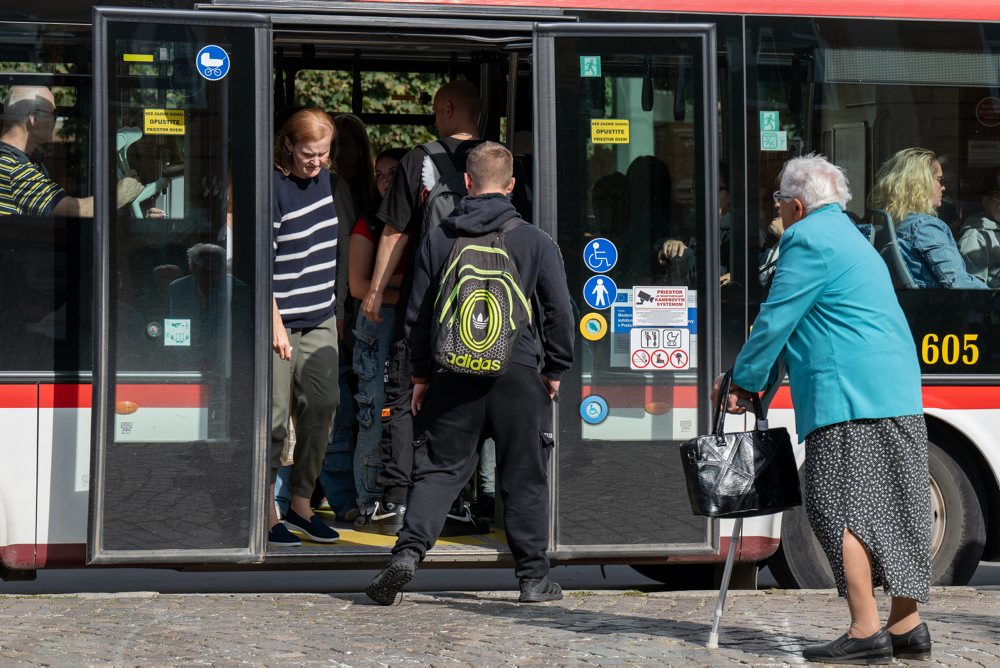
(593,409)
(600,255)
(212,62)
(599,292)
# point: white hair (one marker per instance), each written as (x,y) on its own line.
(815,181)
(20,101)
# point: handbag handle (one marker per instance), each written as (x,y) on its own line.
(719,417)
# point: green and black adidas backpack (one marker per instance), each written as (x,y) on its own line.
(479,307)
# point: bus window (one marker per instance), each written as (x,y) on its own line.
(45,261)
(861,91)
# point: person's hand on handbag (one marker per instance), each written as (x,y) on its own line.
(739,399)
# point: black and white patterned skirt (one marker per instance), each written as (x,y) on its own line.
(870,476)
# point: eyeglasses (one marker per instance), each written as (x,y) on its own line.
(995,197)
(779,196)
(940,179)
(45,111)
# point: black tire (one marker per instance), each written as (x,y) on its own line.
(958,534)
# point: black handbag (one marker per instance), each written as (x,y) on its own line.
(741,474)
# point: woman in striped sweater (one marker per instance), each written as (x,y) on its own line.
(304,320)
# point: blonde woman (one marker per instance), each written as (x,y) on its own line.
(909,186)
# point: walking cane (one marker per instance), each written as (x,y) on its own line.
(774,382)
(720,602)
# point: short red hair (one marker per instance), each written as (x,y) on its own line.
(306,125)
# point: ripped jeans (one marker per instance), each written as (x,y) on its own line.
(371,349)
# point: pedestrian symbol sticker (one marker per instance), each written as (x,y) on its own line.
(590,66)
(599,292)
(593,409)
(212,62)
(600,255)
(593,326)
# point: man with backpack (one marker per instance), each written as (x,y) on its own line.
(427,187)
(478,372)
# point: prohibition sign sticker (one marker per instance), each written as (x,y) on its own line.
(659,359)
(640,359)
(679,359)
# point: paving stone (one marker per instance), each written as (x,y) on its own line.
(767,628)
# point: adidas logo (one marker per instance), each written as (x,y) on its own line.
(479,321)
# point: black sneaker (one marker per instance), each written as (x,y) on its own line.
(386,519)
(314,528)
(280,536)
(386,585)
(538,590)
(461,522)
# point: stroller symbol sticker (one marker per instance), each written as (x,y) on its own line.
(212,62)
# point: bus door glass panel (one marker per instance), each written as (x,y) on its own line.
(182,413)
(634,139)
(861,91)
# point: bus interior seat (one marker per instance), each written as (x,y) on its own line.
(883,236)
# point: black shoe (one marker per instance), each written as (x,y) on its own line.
(314,528)
(279,536)
(875,649)
(461,522)
(387,584)
(914,644)
(538,590)
(484,506)
(385,519)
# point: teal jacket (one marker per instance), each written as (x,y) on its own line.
(833,313)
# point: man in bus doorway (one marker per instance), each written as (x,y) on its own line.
(29,121)
(453,409)
(457,107)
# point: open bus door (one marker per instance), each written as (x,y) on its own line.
(181,375)
(627,161)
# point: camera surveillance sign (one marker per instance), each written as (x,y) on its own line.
(660,306)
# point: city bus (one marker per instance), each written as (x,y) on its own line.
(134,391)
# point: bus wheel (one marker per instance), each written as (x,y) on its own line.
(958,533)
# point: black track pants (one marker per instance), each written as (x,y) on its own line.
(396,446)
(516,411)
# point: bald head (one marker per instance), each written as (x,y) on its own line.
(457,106)
(22,100)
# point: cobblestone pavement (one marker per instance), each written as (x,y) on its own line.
(454,628)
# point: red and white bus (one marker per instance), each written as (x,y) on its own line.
(134,400)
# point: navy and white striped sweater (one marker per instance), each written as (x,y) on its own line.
(305,249)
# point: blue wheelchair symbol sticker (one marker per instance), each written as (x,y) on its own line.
(593,409)
(599,291)
(212,62)
(600,255)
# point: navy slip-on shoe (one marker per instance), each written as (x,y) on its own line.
(875,649)
(314,528)
(280,536)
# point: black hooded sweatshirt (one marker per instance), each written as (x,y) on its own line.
(539,266)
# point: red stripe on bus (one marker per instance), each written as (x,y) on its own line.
(81,396)
(904,9)
(949,397)
(27,557)
(629,396)
(18,396)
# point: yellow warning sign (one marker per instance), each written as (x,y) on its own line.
(609,131)
(163,121)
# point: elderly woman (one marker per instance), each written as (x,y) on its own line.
(909,186)
(833,315)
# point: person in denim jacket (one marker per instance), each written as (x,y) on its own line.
(910,187)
